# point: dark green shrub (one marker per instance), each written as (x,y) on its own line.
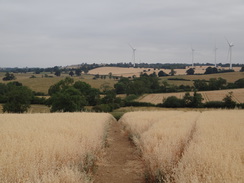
(139,104)
(131,98)
(38,100)
(103,108)
(214,104)
(240,106)
(173,102)
(179,79)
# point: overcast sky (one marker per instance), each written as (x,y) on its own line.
(43,33)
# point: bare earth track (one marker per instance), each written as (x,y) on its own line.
(122,162)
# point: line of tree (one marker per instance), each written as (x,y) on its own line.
(195,101)
(84,67)
(217,84)
(150,84)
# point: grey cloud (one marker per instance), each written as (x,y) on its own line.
(48,33)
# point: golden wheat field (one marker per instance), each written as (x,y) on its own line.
(185,147)
(51,148)
(218,95)
(128,72)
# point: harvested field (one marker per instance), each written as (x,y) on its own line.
(58,147)
(119,71)
(129,72)
(218,95)
(189,146)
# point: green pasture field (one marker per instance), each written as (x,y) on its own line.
(42,84)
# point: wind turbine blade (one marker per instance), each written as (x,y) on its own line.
(131,46)
(228,42)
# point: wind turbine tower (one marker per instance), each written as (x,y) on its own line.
(230,51)
(192,52)
(215,56)
(133,55)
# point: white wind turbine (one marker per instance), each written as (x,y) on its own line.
(230,51)
(133,55)
(215,56)
(192,54)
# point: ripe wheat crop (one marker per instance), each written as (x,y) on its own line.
(216,152)
(187,147)
(51,147)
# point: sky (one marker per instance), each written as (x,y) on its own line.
(47,33)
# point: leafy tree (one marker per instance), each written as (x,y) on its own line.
(188,99)
(173,102)
(120,88)
(201,85)
(111,100)
(110,97)
(110,75)
(192,101)
(92,95)
(153,74)
(137,87)
(60,85)
(37,71)
(217,84)
(3,91)
(78,72)
(57,73)
(239,83)
(122,85)
(71,73)
(211,70)
(162,73)
(242,69)
(164,86)
(67,100)
(83,87)
(197,100)
(172,72)
(9,77)
(18,99)
(228,101)
(190,71)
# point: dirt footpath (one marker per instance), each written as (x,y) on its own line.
(122,163)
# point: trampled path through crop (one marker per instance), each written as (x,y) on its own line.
(121,162)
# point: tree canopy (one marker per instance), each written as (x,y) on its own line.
(9,77)
(190,71)
(18,99)
(68,96)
